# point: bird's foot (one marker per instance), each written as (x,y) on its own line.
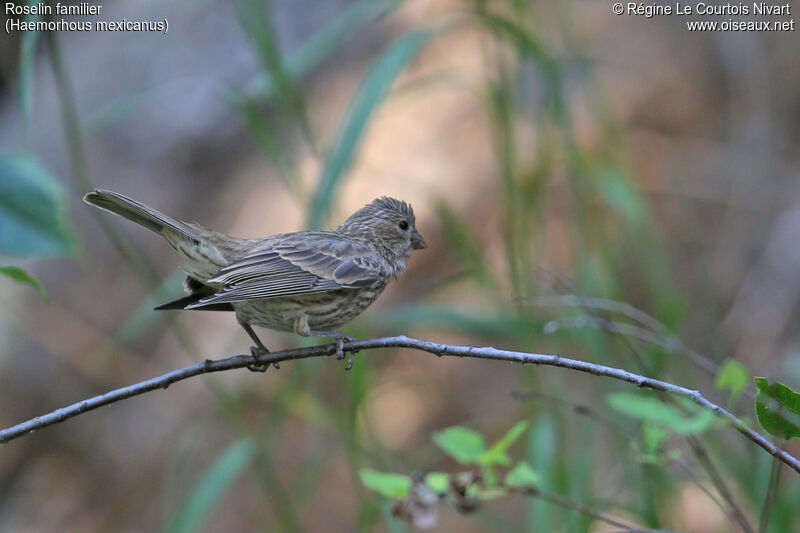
(350,360)
(341,338)
(256,365)
(340,353)
(302,328)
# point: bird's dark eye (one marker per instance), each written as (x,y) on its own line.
(403,225)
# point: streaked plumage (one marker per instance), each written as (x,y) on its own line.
(309,282)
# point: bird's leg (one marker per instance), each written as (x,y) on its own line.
(302,328)
(256,350)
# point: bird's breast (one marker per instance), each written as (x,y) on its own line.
(325,310)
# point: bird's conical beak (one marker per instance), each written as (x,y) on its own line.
(417,242)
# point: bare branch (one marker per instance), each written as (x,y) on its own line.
(438,349)
(733,509)
(578,507)
(604,304)
(667,341)
(616,427)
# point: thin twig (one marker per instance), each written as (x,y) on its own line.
(573,505)
(664,337)
(616,427)
(772,488)
(604,304)
(704,459)
(699,450)
(669,343)
(580,410)
(439,349)
(656,333)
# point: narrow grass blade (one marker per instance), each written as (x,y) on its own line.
(116,110)
(211,487)
(27,65)
(464,245)
(255,18)
(323,43)
(144,315)
(267,137)
(543,456)
(369,95)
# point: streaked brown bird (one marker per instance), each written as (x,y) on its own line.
(309,282)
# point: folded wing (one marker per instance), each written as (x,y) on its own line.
(296,265)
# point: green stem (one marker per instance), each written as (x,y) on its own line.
(77,158)
(772,488)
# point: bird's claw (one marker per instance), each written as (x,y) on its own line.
(340,340)
(339,349)
(256,366)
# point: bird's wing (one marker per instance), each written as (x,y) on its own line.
(295,265)
(197,291)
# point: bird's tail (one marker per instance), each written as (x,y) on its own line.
(139,213)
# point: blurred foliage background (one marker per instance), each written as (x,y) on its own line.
(548,148)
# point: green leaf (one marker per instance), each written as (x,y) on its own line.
(778,408)
(522,475)
(393,486)
(620,196)
(734,377)
(652,437)
(369,95)
(473,489)
(20,276)
(649,409)
(438,482)
(496,455)
(489,477)
(462,444)
(211,486)
(33,210)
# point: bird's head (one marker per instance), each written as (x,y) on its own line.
(387,222)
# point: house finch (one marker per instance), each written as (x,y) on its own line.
(309,282)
